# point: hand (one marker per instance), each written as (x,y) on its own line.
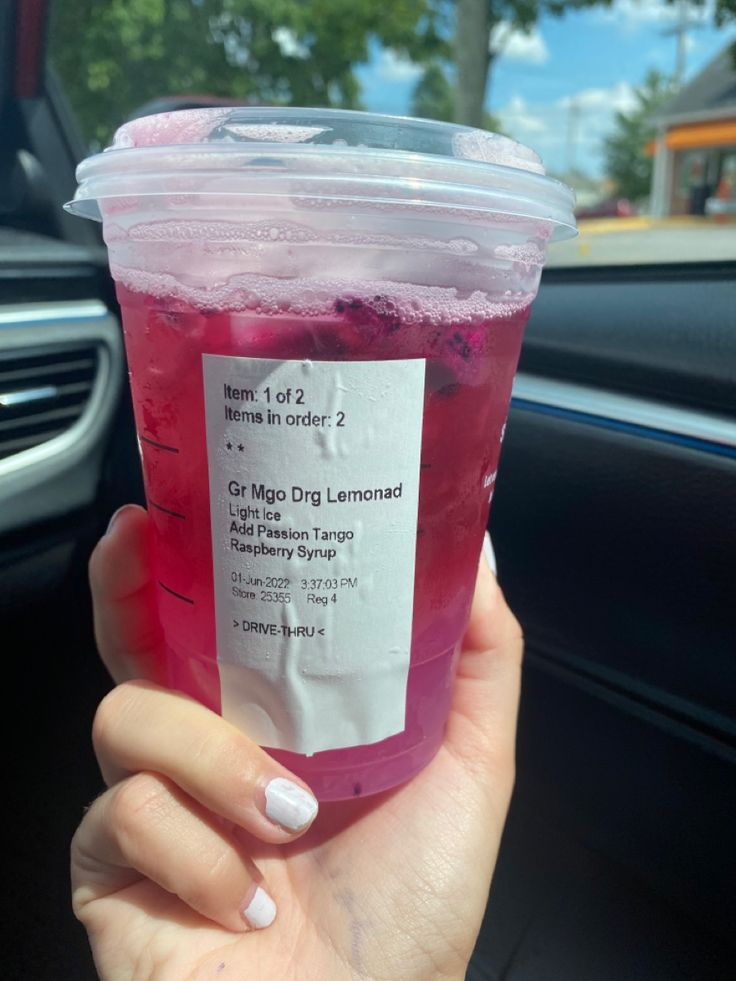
(167,859)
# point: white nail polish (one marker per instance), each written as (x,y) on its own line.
(261,910)
(114,517)
(489,553)
(289,805)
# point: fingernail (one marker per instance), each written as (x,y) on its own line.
(289,805)
(115,517)
(261,910)
(489,553)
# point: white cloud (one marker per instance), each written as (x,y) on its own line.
(518,45)
(289,44)
(620,97)
(632,14)
(392,67)
(570,129)
(520,120)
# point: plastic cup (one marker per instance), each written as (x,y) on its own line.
(323,313)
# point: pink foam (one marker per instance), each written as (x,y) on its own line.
(169,128)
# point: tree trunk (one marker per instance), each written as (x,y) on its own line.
(472,59)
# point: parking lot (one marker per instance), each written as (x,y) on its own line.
(631,241)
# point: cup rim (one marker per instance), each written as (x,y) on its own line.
(228,162)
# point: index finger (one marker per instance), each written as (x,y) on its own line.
(127,628)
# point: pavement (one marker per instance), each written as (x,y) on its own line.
(643,240)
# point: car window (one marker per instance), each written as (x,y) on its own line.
(632,103)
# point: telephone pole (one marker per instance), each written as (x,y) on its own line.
(684,24)
(573,123)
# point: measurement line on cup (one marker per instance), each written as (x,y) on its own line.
(158,446)
(174,593)
(424,466)
(160,507)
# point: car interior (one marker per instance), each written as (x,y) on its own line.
(614,526)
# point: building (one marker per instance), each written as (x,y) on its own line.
(695,147)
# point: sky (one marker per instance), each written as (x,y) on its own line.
(592,59)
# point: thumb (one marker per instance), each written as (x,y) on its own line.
(483,716)
(127,628)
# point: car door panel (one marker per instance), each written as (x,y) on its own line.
(643,533)
(614,523)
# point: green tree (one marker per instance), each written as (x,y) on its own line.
(115,55)
(433,98)
(627,161)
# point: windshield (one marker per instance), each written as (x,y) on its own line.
(632,104)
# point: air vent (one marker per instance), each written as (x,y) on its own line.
(42,394)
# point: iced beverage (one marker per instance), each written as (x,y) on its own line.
(320,391)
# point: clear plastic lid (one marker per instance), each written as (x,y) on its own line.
(337,156)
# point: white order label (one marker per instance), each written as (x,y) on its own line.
(314,485)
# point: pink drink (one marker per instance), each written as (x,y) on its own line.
(470,369)
(315,565)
